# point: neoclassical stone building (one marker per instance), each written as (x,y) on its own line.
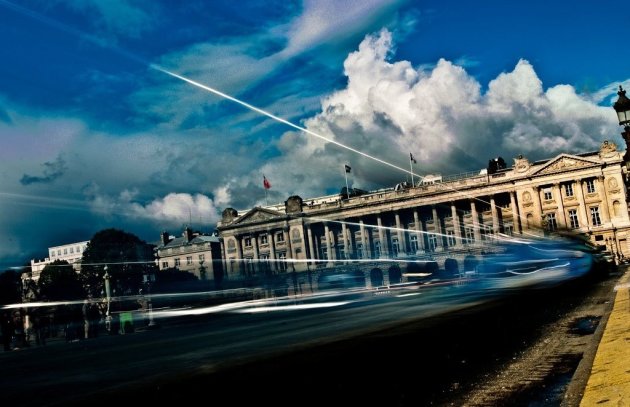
(584,192)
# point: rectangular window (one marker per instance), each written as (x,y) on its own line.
(52,253)
(432,242)
(470,234)
(590,186)
(568,189)
(263,239)
(552,223)
(59,252)
(547,193)
(595,219)
(65,251)
(188,260)
(573,219)
(280,237)
(71,250)
(248,242)
(450,238)
(282,265)
(165,264)
(414,243)
(395,247)
(508,230)
(202,258)
(177,262)
(359,250)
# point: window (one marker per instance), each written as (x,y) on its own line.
(59,252)
(548,196)
(188,260)
(282,265)
(573,219)
(71,250)
(470,234)
(165,264)
(450,238)
(177,262)
(202,258)
(280,237)
(432,242)
(595,219)
(52,253)
(65,251)
(263,239)
(568,189)
(552,223)
(590,186)
(508,230)
(78,249)
(359,250)
(248,242)
(395,247)
(414,243)
(377,249)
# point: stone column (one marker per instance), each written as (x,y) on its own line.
(290,256)
(328,245)
(563,216)
(364,240)
(495,216)
(313,253)
(419,228)
(584,216)
(475,219)
(224,259)
(601,188)
(402,242)
(437,226)
(456,226)
(516,214)
(239,254)
(382,238)
(538,206)
(256,264)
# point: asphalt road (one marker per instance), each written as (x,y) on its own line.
(394,347)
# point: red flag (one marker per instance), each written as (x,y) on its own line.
(266,183)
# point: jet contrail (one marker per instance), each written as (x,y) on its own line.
(272,116)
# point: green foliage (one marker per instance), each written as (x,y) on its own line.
(59,282)
(10,287)
(126,256)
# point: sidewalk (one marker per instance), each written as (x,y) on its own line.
(609,381)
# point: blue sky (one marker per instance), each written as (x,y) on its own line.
(93,137)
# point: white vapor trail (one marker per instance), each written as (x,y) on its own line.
(274,117)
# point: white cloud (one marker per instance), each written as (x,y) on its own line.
(117,16)
(440,114)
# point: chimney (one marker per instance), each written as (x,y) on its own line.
(164,236)
(188,234)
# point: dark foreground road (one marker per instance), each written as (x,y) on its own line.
(512,350)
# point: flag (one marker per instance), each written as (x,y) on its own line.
(412,159)
(266,183)
(347,168)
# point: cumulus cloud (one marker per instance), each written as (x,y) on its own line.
(390,108)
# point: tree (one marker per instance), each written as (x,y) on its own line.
(10,287)
(126,256)
(60,282)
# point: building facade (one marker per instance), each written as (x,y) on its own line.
(71,252)
(192,252)
(585,193)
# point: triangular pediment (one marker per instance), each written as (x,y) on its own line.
(565,162)
(257,215)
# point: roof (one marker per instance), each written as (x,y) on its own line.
(181,241)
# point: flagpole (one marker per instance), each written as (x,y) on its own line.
(411,168)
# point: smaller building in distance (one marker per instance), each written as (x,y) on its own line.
(193,252)
(71,252)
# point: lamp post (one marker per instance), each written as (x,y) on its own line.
(108,296)
(622,107)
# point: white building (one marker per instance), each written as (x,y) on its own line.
(71,252)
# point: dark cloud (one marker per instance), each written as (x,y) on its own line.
(52,171)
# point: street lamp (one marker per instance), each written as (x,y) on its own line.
(622,107)
(108,294)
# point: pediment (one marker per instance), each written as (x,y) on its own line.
(257,215)
(565,162)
